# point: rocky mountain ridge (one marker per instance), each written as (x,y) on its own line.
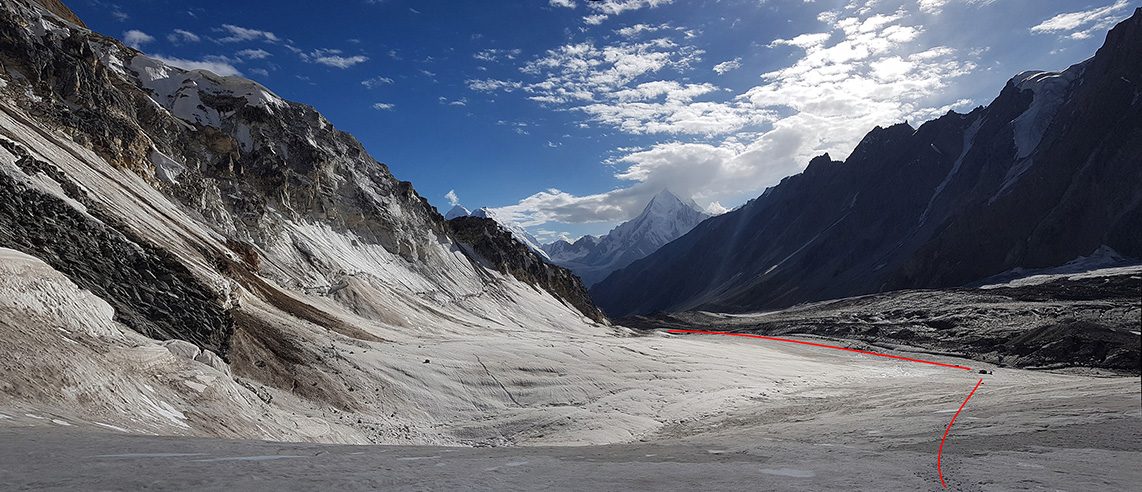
(207,209)
(222,147)
(518,232)
(1046,173)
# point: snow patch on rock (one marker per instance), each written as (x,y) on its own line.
(180,91)
(166,169)
(1103,262)
(1051,91)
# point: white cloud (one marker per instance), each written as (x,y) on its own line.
(630,86)
(340,61)
(936,6)
(932,5)
(452,198)
(715,208)
(864,70)
(1098,19)
(584,72)
(375,82)
(384,106)
(457,102)
(595,19)
(238,34)
(261,72)
(804,40)
(332,58)
(492,85)
(637,29)
(616,7)
(562,3)
(861,74)
(136,38)
(213,64)
(491,55)
(556,206)
(182,36)
(727,66)
(257,54)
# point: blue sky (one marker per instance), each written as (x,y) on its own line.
(568,115)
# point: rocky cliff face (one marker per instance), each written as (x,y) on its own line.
(1046,173)
(209,210)
(490,242)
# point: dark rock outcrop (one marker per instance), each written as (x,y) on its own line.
(496,246)
(151,291)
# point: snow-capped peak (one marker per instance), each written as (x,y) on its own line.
(457,211)
(666,201)
(665,218)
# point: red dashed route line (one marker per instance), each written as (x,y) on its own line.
(819,345)
(939,454)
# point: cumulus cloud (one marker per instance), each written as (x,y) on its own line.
(332,58)
(727,66)
(604,10)
(562,3)
(1095,20)
(384,106)
(595,19)
(716,208)
(217,65)
(631,86)
(238,34)
(183,36)
(452,198)
(862,71)
(136,38)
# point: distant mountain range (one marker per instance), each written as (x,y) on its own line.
(1050,171)
(664,219)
